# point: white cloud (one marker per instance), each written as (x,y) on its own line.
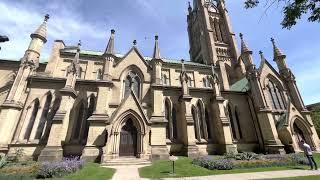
(18,22)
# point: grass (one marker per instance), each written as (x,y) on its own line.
(185,168)
(91,171)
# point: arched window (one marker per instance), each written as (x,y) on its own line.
(201,121)
(276,96)
(196,124)
(232,123)
(85,124)
(233,116)
(170,115)
(208,124)
(174,123)
(32,114)
(99,74)
(167,112)
(238,122)
(133,82)
(80,113)
(44,116)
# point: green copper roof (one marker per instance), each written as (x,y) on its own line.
(100,53)
(240,86)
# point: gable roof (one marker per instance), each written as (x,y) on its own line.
(147,58)
(240,86)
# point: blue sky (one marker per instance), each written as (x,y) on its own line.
(91,22)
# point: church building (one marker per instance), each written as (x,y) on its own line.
(103,106)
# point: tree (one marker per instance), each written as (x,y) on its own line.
(315,115)
(292,10)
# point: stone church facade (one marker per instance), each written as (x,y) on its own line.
(104,105)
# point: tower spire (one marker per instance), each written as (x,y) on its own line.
(244,47)
(41,32)
(156,51)
(110,46)
(276,51)
(189,7)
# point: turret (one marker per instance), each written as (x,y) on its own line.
(279,57)
(38,38)
(288,77)
(29,62)
(156,63)
(109,55)
(246,55)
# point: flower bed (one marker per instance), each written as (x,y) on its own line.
(250,160)
(32,170)
(59,169)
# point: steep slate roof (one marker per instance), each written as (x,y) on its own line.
(99,53)
(240,86)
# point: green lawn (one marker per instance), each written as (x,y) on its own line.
(185,168)
(91,171)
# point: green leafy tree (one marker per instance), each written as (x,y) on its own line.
(292,9)
(315,115)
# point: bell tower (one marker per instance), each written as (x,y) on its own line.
(212,41)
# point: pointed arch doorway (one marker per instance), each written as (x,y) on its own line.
(128,139)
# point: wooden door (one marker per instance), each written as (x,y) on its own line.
(128,140)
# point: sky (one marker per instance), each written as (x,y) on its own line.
(91,21)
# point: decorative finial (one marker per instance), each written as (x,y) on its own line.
(261,55)
(241,36)
(79,43)
(273,42)
(276,51)
(46,17)
(183,69)
(156,37)
(113,31)
(244,47)
(134,42)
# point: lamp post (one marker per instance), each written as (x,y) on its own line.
(3,39)
(173,159)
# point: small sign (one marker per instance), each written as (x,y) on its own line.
(173,158)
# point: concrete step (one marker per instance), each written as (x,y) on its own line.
(126,161)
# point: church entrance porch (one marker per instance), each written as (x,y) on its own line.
(128,139)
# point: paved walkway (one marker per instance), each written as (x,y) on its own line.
(131,173)
(126,172)
(257,175)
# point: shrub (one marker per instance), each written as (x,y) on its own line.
(59,169)
(209,163)
(299,159)
(30,168)
(17,176)
(3,161)
(261,163)
(202,161)
(230,155)
(247,156)
(222,164)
